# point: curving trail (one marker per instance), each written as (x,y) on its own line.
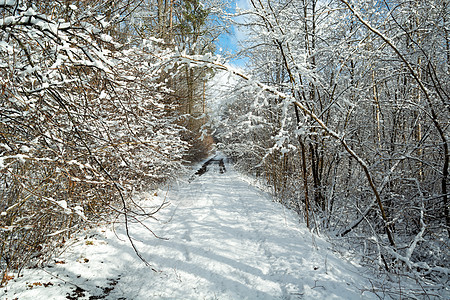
(226,240)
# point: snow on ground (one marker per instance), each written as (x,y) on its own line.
(225,240)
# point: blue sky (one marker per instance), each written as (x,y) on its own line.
(228,42)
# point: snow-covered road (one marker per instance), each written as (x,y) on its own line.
(225,240)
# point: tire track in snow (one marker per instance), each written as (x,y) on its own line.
(221,204)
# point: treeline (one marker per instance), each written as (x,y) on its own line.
(356,141)
(93,110)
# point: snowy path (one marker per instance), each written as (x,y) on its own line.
(226,240)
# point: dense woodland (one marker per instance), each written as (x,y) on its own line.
(342,110)
(353,129)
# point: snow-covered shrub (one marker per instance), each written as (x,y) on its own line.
(85,122)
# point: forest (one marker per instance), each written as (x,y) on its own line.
(342,110)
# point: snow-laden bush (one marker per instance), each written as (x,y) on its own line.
(85,122)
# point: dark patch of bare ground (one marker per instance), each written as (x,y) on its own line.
(204,168)
(79,292)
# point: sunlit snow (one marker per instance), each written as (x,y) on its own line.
(222,238)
